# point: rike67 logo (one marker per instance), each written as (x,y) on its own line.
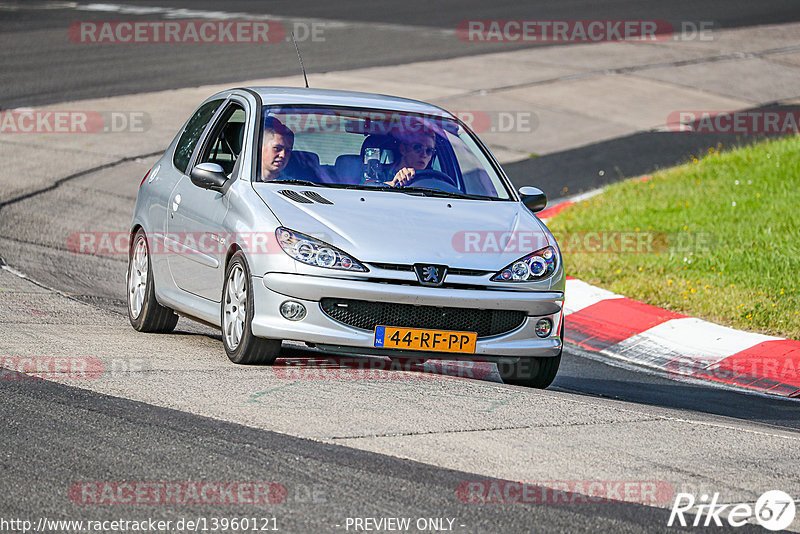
(774,510)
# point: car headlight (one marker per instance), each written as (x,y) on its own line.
(535,266)
(314,252)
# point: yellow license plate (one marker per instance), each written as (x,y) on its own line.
(392,337)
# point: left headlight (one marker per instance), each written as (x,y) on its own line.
(535,266)
(314,252)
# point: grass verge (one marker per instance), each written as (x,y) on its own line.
(716,238)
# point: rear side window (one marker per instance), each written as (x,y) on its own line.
(194,128)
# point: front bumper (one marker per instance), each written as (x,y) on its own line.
(317,328)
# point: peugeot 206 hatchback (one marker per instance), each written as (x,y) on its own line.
(356,223)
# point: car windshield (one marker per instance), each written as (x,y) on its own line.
(362,149)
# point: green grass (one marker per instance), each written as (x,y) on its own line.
(725,234)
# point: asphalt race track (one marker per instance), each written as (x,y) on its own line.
(341,449)
(42,66)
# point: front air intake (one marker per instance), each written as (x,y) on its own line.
(366,315)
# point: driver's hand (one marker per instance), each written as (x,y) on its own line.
(403,177)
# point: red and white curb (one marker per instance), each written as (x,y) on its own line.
(603,323)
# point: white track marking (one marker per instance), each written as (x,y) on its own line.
(686,339)
(580,295)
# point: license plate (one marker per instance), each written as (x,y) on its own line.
(392,337)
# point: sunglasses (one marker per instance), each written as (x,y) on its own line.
(419,148)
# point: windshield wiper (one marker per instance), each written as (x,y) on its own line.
(361,187)
(333,185)
(296,182)
(444,194)
(425,191)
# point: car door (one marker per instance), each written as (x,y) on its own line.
(162,178)
(195,231)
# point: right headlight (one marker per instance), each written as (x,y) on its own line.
(314,252)
(535,266)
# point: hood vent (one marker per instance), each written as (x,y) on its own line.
(313,195)
(310,197)
(294,195)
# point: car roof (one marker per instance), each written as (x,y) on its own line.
(331,97)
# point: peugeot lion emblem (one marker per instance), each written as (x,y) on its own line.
(430,275)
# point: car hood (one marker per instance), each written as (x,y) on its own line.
(393,227)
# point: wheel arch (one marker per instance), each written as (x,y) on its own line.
(232,249)
(136,227)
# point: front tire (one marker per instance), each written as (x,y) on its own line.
(532,372)
(144,311)
(237,311)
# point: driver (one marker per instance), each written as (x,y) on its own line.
(416,151)
(276,149)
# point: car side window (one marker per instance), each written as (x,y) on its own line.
(194,128)
(226,140)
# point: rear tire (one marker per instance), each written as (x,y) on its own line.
(236,317)
(144,311)
(532,372)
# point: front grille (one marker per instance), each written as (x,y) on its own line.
(450,270)
(367,315)
(468,272)
(394,266)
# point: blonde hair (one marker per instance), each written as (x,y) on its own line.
(413,137)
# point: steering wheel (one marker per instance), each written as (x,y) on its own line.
(432,174)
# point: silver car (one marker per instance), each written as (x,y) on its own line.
(356,223)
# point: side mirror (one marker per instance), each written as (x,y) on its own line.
(533,198)
(209,176)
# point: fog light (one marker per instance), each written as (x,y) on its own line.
(294,311)
(543,327)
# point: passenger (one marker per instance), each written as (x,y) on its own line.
(416,151)
(276,149)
